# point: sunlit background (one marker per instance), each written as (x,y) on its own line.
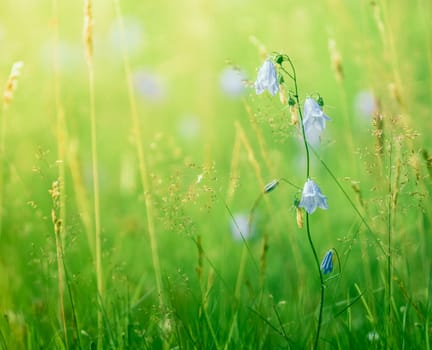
(210,144)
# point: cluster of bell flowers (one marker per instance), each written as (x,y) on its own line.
(314,122)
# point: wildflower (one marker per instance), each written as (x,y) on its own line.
(267,79)
(327,262)
(271,186)
(232,82)
(314,119)
(312,197)
(241,227)
(189,127)
(149,85)
(365,104)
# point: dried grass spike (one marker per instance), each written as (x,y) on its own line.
(88,29)
(12,83)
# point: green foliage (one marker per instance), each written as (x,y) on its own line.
(208,153)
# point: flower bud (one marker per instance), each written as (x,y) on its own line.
(294,115)
(271,186)
(299,217)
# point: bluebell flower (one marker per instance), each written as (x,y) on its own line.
(312,197)
(267,79)
(327,262)
(314,119)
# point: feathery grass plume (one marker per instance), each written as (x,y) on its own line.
(378,20)
(8,94)
(260,137)
(234,173)
(336,60)
(56,195)
(378,132)
(88,29)
(395,93)
(355,185)
(199,267)
(428,160)
(12,83)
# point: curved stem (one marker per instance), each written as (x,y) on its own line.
(293,76)
(321,305)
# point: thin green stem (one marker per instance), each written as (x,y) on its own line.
(88,41)
(317,262)
(96,200)
(362,218)
(293,76)
(144,174)
(4,125)
(389,241)
(61,207)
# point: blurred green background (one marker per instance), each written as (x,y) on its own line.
(193,64)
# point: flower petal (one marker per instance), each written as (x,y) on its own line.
(267,79)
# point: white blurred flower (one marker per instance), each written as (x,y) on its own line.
(189,127)
(133,39)
(149,86)
(232,82)
(312,198)
(241,228)
(267,79)
(365,104)
(314,120)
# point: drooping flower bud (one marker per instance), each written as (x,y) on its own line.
(327,262)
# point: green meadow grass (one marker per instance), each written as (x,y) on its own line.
(117,204)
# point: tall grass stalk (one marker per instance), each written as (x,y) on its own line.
(8,94)
(88,41)
(56,196)
(59,188)
(3,133)
(144,176)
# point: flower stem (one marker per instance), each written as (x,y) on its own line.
(293,76)
(321,305)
